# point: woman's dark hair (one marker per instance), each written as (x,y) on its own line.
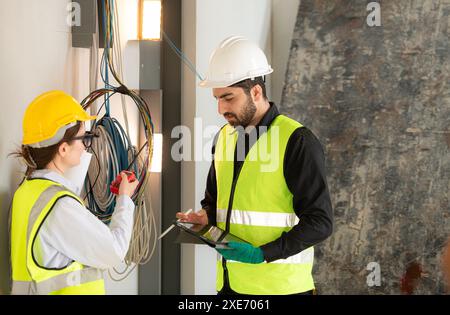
(39,158)
(248,84)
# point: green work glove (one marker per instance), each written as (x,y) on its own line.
(242,252)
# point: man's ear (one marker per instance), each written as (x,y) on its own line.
(257,93)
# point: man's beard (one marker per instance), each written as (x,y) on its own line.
(245,116)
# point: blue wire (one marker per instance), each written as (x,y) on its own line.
(108,96)
(121,146)
(102,67)
(104,62)
(182,56)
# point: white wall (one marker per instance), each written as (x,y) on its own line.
(284,16)
(214,20)
(36,56)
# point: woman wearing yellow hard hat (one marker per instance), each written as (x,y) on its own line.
(57,245)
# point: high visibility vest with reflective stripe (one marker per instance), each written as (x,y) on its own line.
(262,210)
(32,203)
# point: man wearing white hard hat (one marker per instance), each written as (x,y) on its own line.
(280,211)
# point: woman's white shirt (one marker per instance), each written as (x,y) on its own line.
(72,233)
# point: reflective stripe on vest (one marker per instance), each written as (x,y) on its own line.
(269,219)
(28,216)
(274,219)
(304,257)
(261,210)
(57,283)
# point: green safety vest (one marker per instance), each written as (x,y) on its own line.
(259,206)
(32,203)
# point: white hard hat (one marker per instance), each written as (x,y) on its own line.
(235,59)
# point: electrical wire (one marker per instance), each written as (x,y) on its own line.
(93,64)
(181,55)
(113,149)
(108,163)
(118,60)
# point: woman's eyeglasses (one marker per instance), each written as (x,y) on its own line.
(87,138)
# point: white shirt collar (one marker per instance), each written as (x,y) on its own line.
(54,176)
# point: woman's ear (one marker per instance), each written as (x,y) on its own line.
(63,149)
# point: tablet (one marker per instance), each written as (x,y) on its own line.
(209,234)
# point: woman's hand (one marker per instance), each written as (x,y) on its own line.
(127,188)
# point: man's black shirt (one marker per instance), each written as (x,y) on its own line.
(304,172)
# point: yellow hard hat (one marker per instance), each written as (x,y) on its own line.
(46,116)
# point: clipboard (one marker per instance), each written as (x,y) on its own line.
(210,235)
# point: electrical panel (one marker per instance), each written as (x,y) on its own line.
(85,14)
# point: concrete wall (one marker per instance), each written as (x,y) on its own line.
(214,20)
(36,56)
(378,99)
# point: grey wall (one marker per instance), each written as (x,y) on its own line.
(171,113)
(378,99)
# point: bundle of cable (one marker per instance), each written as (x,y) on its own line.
(113,150)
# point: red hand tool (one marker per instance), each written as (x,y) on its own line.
(116,183)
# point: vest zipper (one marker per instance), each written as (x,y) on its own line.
(226,280)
